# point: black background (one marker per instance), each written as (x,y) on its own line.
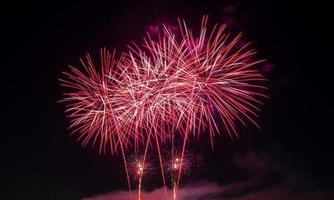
(40,160)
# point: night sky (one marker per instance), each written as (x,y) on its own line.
(41,161)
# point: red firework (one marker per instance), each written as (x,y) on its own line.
(177,83)
(180,83)
(88,103)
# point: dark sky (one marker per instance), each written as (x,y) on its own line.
(41,161)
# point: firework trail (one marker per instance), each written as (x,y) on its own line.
(180,83)
(138,168)
(190,164)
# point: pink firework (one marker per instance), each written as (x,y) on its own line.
(88,103)
(178,83)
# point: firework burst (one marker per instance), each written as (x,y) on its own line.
(180,83)
(88,103)
(177,83)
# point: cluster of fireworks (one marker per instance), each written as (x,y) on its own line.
(171,86)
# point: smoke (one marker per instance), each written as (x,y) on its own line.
(271,178)
(203,191)
(211,191)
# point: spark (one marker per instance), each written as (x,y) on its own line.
(140,172)
(176,163)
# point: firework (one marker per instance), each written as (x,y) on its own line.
(176,166)
(88,105)
(139,167)
(179,83)
(190,163)
(167,86)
